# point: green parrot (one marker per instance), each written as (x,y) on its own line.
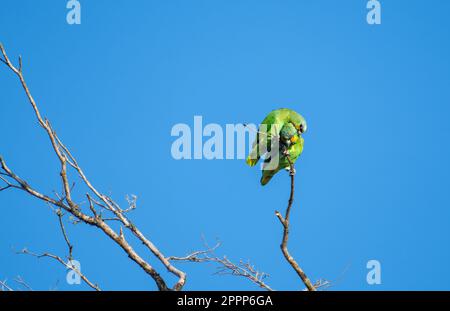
(285,125)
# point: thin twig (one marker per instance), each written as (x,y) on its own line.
(226,266)
(22,282)
(64,233)
(4,285)
(67,265)
(285,223)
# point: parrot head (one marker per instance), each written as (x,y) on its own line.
(299,123)
(301,126)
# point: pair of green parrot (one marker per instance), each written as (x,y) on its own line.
(285,125)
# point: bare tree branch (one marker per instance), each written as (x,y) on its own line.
(243,269)
(62,262)
(102,201)
(5,287)
(285,223)
(321,284)
(68,265)
(19,280)
(63,230)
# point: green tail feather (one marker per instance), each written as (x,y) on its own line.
(250,161)
(267,176)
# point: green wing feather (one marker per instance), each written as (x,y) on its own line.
(276,118)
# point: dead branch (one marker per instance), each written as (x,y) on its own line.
(63,231)
(96,199)
(285,223)
(68,265)
(5,287)
(225,266)
(62,262)
(321,284)
(19,280)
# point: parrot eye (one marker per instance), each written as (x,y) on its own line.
(301,129)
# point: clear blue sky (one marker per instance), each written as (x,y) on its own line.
(372,182)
